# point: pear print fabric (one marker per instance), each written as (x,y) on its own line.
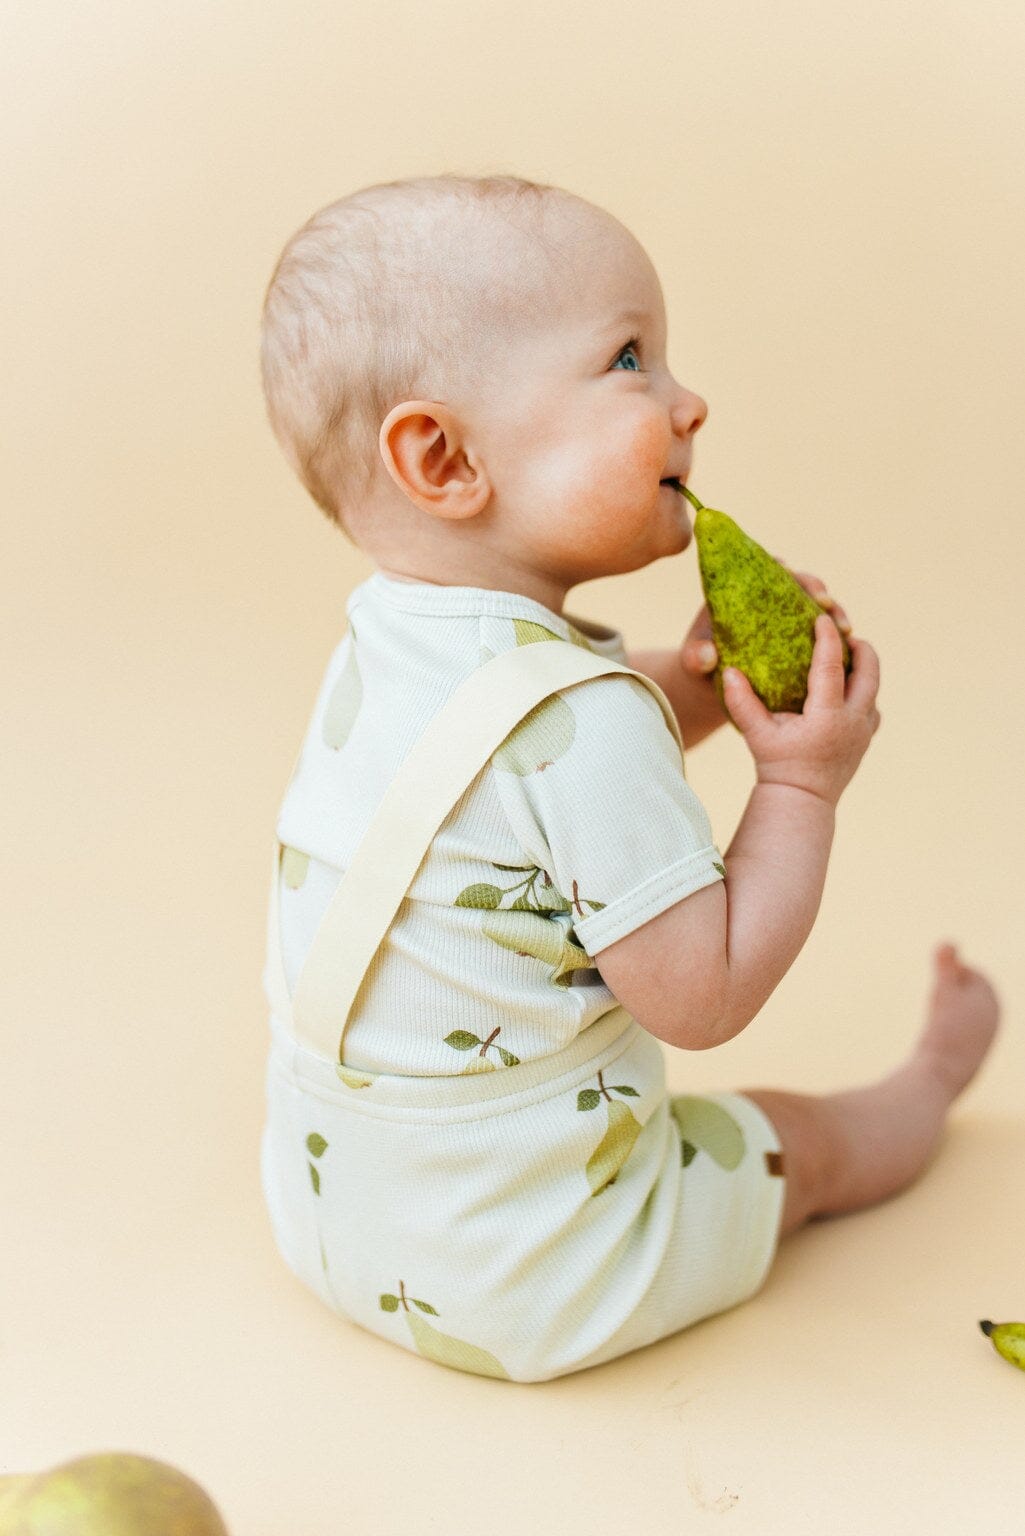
(580,828)
(494,1177)
(507,1225)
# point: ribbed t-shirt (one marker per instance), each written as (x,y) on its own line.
(580,828)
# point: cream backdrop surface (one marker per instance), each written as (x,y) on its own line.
(835,200)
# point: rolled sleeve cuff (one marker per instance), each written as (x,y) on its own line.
(645,901)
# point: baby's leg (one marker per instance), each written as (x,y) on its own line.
(843,1151)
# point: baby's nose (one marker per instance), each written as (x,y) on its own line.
(690,412)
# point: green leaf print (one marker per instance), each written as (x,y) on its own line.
(462,1040)
(424,1306)
(720,867)
(314,1177)
(488,897)
(344,702)
(389,1303)
(706,1127)
(588,1098)
(480,895)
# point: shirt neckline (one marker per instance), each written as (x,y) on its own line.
(433,598)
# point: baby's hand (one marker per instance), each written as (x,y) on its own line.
(819,749)
(698,651)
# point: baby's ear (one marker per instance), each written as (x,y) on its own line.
(423,447)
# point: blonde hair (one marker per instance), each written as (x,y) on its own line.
(398,291)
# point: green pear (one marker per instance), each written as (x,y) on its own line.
(1008,1339)
(763,621)
(113,1493)
(12,1488)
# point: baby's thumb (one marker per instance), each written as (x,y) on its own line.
(743,704)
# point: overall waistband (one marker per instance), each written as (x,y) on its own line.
(596,1046)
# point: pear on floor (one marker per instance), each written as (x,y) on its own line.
(763,621)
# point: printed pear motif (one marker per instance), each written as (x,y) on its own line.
(546,732)
(543,938)
(438,1346)
(551,942)
(479,1064)
(344,702)
(294,866)
(316,1146)
(706,1127)
(616,1145)
(464,1040)
(353,1079)
(528,632)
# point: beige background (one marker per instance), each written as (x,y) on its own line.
(835,200)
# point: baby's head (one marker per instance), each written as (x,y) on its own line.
(450,368)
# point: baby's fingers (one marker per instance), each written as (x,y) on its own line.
(826,678)
(863,684)
(700,656)
(745,707)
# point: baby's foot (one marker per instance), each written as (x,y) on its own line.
(964,1013)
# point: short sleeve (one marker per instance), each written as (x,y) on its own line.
(593,785)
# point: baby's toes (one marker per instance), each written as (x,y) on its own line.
(950,966)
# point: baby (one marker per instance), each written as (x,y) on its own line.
(494,890)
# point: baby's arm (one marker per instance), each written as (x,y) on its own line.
(698,973)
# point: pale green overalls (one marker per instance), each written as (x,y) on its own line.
(521,1223)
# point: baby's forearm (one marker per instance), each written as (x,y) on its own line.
(694,701)
(775,873)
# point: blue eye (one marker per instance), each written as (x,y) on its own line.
(631,346)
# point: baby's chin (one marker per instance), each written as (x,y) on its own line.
(685,535)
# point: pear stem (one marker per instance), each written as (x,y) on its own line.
(695,503)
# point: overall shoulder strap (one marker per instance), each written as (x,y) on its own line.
(436,772)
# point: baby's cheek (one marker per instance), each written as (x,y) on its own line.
(635,453)
(651,450)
